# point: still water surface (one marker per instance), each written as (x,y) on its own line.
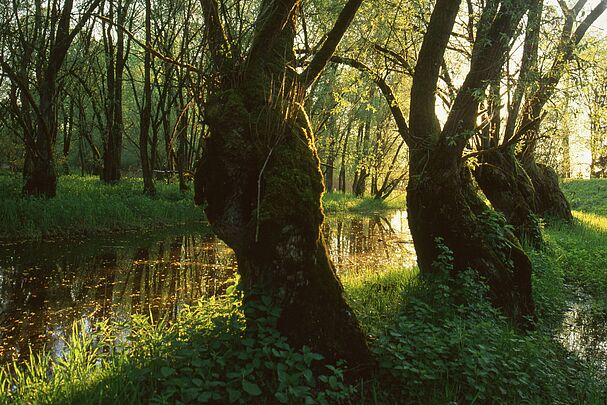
(45,286)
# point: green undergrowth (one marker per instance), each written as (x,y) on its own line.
(340,202)
(207,355)
(86,206)
(434,344)
(438,346)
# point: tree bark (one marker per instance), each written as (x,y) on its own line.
(260,177)
(112,147)
(146,112)
(508,187)
(445,211)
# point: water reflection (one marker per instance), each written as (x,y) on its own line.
(365,243)
(584,329)
(44,287)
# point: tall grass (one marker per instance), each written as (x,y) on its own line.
(85,205)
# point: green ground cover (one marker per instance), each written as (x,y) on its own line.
(86,206)
(434,344)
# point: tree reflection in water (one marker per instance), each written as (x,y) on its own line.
(44,287)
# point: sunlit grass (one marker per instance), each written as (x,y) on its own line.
(340,202)
(593,222)
(85,205)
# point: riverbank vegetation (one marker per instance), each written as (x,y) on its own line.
(87,206)
(433,343)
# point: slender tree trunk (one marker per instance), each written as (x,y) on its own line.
(182,132)
(112,148)
(41,176)
(146,113)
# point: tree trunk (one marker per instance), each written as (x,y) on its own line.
(550,202)
(112,148)
(445,210)
(260,176)
(264,202)
(509,189)
(146,113)
(40,175)
(329,173)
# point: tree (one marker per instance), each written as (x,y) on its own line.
(519,186)
(260,178)
(39,102)
(447,217)
(117,55)
(146,111)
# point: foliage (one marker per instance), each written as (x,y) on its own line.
(207,355)
(434,349)
(84,205)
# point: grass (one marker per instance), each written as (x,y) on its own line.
(434,344)
(340,202)
(86,206)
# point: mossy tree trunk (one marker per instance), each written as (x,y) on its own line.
(260,178)
(450,224)
(508,187)
(446,213)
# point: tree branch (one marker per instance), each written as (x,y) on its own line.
(333,37)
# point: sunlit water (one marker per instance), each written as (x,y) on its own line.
(584,328)
(45,287)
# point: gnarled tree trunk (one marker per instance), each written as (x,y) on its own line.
(264,202)
(260,177)
(445,210)
(550,202)
(507,186)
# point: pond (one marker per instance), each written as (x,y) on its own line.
(46,286)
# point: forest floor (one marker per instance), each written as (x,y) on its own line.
(85,206)
(434,344)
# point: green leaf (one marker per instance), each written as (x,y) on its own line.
(251,388)
(166,371)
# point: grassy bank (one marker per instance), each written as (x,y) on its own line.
(431,348)
(434,344)
(86,206)
(339,202)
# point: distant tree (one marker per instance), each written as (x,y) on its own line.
(42,35)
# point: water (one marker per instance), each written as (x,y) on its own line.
(45,287)
(583,329)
